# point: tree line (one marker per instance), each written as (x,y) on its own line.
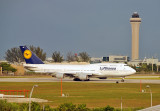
(15,55)
(5,106)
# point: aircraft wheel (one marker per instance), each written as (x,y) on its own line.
(122,80)
(76,79)
(117,82)
(87,80)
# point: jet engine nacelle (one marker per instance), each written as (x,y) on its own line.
(60,75)
(83,77)
(102,77)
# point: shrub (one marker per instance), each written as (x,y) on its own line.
(24,107)
(82,107)
(67,107)
(5,106)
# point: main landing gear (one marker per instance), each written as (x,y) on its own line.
(77,79)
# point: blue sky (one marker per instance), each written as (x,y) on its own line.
(99,27)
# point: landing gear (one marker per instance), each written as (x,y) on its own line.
(117,82)
(87,80)
(76,79)
(122,79)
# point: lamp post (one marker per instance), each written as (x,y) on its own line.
(121,104)
(150,93)
(30,97)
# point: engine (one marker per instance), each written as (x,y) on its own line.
(59,75)
(83,77)
(102,77)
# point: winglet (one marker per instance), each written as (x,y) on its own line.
(29,56)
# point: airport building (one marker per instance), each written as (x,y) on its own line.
(152,61)
(95,60)
(135,63)
(116,58)
(145,61)
(135,23)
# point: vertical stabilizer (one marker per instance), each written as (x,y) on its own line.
(29,56)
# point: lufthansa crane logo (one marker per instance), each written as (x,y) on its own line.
(27,54)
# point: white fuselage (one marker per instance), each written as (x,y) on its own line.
(99,70)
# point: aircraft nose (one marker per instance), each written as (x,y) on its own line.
(133,71)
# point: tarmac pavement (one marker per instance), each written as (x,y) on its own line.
(92,80)
(23,100)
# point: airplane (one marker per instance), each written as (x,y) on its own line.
(78,72)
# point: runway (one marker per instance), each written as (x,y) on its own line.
(93,80)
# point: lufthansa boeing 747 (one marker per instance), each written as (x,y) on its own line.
(78,72)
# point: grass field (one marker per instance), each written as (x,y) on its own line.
(91,94)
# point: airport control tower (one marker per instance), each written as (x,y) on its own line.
(135,22)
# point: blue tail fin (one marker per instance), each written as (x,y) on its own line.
(29,56)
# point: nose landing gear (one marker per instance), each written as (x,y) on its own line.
(122,79)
